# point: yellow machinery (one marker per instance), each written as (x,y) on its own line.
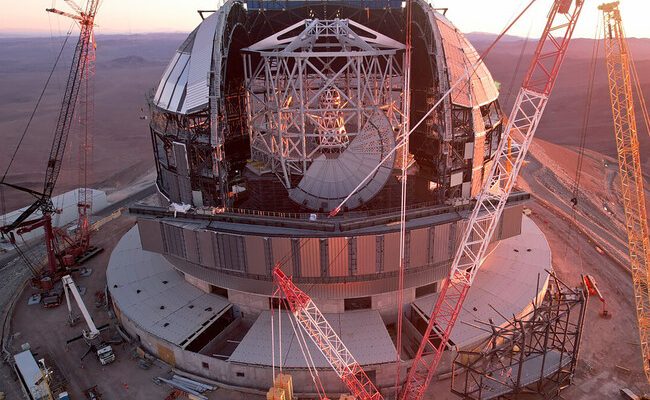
(282,388)
(620,71)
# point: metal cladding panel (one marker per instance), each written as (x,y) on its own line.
(479,151)
(174,240)
(173,83)
(366,255)
(164,81)
(338,256)
(179,91)
(200,64)
(232,252)
(483,86)
(488,167)
(185,189)
(170,185)
(192,245)
(391,252)
(182,163)
(460,55)
(205,248)
(255,255)
(419,246)
(459,231)
(441,243)
(310,257)
(282,254)
(183,168)
(510,224)
(150,235)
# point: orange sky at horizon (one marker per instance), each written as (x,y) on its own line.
(142,16)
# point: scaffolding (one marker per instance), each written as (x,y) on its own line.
(533,356)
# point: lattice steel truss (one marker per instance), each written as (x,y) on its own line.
(522,124)
(533,356)
(629,165)
(316,85)
(314,324)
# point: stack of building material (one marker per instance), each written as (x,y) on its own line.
(189,386)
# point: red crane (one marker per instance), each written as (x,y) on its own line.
(328,342)
(79,70)
(522,124)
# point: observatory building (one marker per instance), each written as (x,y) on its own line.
(272,114)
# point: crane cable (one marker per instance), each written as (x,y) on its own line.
(403,198)
(511,85)
(298,334)
(463,79)
(38,102)
(639,91)
(572,229)
(29,122)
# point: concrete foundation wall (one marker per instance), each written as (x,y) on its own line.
(245,376)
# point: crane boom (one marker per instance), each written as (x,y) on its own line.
(325,338)
(70,287)
(629,164)
(522,124)
(78,69)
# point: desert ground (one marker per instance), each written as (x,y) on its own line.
(129,66)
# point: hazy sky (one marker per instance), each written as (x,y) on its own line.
(137,16)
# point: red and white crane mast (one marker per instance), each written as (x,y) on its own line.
(522,124)
(330,345)
(43,202)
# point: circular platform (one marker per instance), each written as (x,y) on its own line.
(204,333)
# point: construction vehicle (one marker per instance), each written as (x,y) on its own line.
(61,249)
(104,351)
(592,288)
(490,203)
(620,71)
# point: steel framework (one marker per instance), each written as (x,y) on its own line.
(535,354)
(522,124)
(629,164)
(82,57)
(328,342)
(314,92)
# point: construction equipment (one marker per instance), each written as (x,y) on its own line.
(284,382)
(43,203)
(103,351)
(620,70)
(498,184)
(93,393)
(522,124)
(592,288)
(330,345)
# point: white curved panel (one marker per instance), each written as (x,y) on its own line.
(200,61)
(172,84)
(460,56)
